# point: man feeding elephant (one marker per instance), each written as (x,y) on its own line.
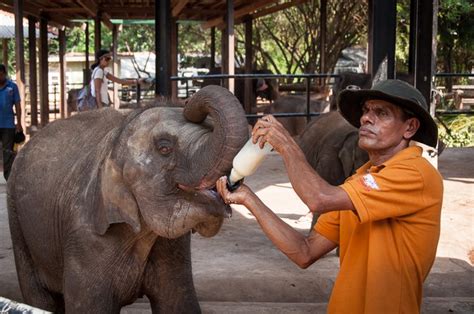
(385,218)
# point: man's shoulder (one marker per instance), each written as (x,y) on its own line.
(419,167)
(11,84)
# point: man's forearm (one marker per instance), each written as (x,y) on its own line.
(288,240)
(313,190)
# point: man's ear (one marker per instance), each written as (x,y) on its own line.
(118,203)
(412,125)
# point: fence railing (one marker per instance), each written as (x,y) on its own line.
(130,94)
(306,77)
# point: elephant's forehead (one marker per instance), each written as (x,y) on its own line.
(171,121)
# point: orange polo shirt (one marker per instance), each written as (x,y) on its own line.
(388,244)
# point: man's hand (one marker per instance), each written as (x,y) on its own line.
(269,129)
(18,128)
(240,196)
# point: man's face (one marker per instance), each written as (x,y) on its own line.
(383,126)
(3,77)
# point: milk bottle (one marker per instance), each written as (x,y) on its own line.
(246,162)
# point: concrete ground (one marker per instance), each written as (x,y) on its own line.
(239,270)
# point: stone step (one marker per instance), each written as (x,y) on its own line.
(430,306)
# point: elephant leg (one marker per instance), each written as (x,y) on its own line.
(33,292)
(82,295)
(168,279)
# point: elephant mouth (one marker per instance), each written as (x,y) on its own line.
(211,207)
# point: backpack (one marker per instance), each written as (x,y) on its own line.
(85,100)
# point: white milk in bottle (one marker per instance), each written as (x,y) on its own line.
(246,162)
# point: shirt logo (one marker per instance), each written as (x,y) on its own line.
(369,182)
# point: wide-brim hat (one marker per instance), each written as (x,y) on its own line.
(402,94)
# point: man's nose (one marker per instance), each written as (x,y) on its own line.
(366,117)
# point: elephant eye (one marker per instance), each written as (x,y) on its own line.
(164,147)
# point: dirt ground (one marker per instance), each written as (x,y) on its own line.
(239,270)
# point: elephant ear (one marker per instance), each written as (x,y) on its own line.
(347,154)
(118,203)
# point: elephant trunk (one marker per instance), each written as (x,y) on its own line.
(229,133)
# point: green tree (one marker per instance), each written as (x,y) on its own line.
(289,41)
(456,36)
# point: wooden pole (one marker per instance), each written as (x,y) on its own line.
(249,92)
(322,37)
(163,49)
(174,57)
(33,70)
(115,32)
(382,28)
(5,51)
(20,56)
(97,32)
(426,47)
(212,64)
(62,74)
(230,43)
(44,87)
(87,77)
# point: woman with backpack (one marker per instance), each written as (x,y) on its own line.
(101,74)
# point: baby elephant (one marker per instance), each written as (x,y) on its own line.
(101,205)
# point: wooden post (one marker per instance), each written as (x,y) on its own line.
(212,64)
(115,32)
(43,56)
(163,50)
(174,58)
(230,44)
(249,92)
(322,36)
(87,72)
(224,57)
(33,82)
(426,47)
(62,74)
(20,56)
(382,27)
(5,51)
(97,32)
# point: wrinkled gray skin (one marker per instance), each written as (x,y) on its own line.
(291,104)
(101,205)
(330,145)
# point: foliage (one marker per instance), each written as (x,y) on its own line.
(289,41)
(461,130)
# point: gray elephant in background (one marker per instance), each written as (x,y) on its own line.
(101,205)
(291,104)
(330,145)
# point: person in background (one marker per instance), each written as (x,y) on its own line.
(9,98)
(101,74)
(385,218)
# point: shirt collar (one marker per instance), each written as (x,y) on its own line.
(405,154)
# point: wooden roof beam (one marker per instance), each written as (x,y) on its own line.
(179,7)
(238,13)
(65,10)
(34,10)
(92,8)
(277,8)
